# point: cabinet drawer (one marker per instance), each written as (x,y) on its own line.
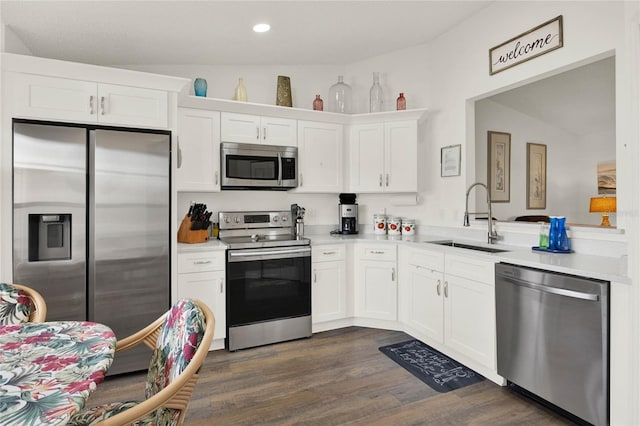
(327,253)
(427,259)
(201,261)
(470,268)
(373,252)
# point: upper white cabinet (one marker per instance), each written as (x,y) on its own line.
(54,98)
(198,150)
(384,157)
(245,128)
(320,147)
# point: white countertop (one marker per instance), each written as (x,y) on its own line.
(599,267)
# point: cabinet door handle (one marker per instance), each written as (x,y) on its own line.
(102,107)
(376,251)
(91,98)
(446,289)
(387,179)
(258,133)
(264,133)
(221,289)
(201,262)
(216,175)
(300,179)
(438,288)
(326,253)
(380,180)
(315,278)
(179,154)
(393,274)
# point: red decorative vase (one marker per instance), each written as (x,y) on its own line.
(317,103)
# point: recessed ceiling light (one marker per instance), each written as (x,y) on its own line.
(261,28)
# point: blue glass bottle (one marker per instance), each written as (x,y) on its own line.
(200,87)
(553,233)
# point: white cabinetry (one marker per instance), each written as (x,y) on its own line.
(37,96)
(449,300)
(199,150)
(328,283)
(245,128)
(376,281)
(319,157)
(201,275)
(384,157)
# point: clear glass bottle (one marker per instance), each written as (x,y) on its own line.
(340,97)
(401,102)
(318,103)
(240,94)
(375,94)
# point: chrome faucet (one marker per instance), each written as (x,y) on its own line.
(492,235)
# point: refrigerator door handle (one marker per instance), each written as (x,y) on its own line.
(91,229)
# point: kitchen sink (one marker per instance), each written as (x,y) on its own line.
(451,243)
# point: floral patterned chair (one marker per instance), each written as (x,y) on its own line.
(180,340)
(20,304)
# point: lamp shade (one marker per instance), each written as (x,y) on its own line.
(602,205)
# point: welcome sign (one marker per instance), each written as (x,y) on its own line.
(540,40)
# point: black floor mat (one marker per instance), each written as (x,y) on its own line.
(438,371)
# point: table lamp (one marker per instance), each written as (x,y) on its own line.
(604,205)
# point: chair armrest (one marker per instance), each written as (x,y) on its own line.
(148,336)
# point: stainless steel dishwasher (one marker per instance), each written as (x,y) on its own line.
(553,338)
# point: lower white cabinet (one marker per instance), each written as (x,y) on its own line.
(201,275)
(328,286)
(449,299)
(376,290)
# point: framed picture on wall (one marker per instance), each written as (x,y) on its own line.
(499,166)
(450,160)
(536,176)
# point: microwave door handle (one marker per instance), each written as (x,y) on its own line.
(279,169)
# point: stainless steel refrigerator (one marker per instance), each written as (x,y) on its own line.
(91,221)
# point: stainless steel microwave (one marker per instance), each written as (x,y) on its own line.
(254,166)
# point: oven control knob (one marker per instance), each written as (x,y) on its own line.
(227,219)
(236,219)
(285,218)
(275,219)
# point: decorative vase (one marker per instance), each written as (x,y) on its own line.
(318,103)
(283,94)
(340,97)
(240,94)
(200,87)
(401,102)
(375,94)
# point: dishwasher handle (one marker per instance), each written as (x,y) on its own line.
(553,290)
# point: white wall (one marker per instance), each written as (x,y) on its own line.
(571,163)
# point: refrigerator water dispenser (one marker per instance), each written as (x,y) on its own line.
(49,237)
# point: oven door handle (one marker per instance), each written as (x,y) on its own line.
(252,254)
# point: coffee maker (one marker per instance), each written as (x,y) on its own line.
(348,214)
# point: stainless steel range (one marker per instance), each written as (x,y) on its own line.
(268,278)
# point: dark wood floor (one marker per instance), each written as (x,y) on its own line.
(335,378)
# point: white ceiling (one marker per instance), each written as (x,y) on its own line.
(219,32)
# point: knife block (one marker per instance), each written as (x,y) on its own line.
(186,235)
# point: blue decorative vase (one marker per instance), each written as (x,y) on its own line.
(200,87)
(563,240)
